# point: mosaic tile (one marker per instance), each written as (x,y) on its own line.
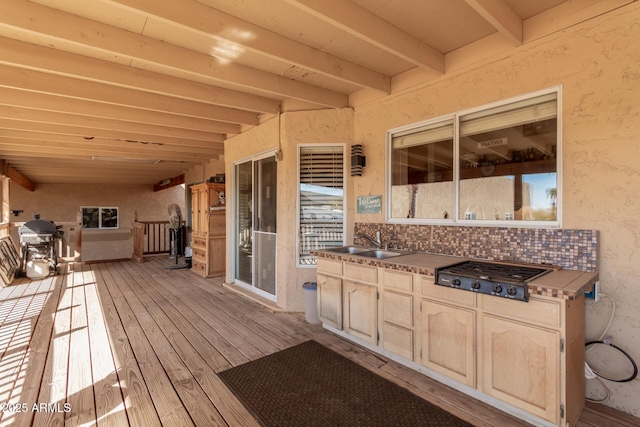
(567,248)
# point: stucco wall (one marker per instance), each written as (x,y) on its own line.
(597,64)
(285,133)
(61,203)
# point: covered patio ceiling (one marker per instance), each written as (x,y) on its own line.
(139,91)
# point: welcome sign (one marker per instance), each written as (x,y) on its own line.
(369,205)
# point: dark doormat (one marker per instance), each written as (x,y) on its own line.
(310,385)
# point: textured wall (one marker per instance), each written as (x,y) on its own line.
(285,133)
(597,64)
(61,203)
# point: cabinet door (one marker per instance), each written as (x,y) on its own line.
(195,211)
(217,255)
(330,300)
(360,311)
(521,366)
(448,341)
(203,220)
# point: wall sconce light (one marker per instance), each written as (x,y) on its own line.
(358,161)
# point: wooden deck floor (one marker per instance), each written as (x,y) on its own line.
(122,343)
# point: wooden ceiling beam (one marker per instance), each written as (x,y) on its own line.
(78,162)
(58,25)
(16,177)
(501,16)
(46,102)
(51,117)
(22,146)
(86,168)
(216,148)
(226,28)
(88,132)
(54,61)
(176,180)
(361,23)
(41,82)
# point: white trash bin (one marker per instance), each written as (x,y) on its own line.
(311,302)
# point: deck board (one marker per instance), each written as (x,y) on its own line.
(135,344)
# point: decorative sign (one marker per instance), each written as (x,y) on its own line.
(369,205)
(492,143)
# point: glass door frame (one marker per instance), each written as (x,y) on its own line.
(234,231)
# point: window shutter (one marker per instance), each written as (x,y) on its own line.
(321,198)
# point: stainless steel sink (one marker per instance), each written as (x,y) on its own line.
(380,253)
(348,250)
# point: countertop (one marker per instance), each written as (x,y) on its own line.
(559,283)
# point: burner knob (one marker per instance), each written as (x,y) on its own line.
(475,284)
(511,290)
(455,282)
(497,289)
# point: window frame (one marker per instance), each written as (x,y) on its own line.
(454,219)
(100,211)
(343,147)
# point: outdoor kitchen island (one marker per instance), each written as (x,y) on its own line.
(524,357)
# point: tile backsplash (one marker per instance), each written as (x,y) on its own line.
(573,249)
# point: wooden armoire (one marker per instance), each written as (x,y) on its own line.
(208,241)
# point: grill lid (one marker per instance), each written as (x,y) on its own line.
(37,226)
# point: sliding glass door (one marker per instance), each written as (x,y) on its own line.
(255,219)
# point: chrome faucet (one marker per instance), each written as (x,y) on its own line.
(377,242)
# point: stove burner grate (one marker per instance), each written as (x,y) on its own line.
(506,280)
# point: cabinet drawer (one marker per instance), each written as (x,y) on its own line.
(198,267)
(361,273)
(397,308)
(398,281)
(329,266)
(542,312)
(199,255)
(457,296)
(398,340)
(199,241)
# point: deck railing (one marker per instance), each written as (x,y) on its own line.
(150,237)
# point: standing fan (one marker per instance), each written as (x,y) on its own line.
(175,223)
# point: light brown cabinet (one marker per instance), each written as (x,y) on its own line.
(360,310)
(448,340)
(529,355)
(330,300)
(208,228)
(397,330)
(521,365)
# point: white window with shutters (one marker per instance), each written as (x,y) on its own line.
(321,196)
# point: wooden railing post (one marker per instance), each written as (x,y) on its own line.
(138,241)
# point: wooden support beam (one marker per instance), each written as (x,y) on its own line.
(61,26)
(16,177)
(228,29)
(168,183)
(359,22)
(501,16)
(55,61)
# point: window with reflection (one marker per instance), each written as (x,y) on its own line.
(422,171)
(489,164)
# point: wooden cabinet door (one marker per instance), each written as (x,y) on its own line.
(521,366)
(330,300)
(448,344)
(217,256)
(203,208)
(360,311)
(195,211)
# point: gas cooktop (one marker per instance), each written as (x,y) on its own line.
(505,280)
